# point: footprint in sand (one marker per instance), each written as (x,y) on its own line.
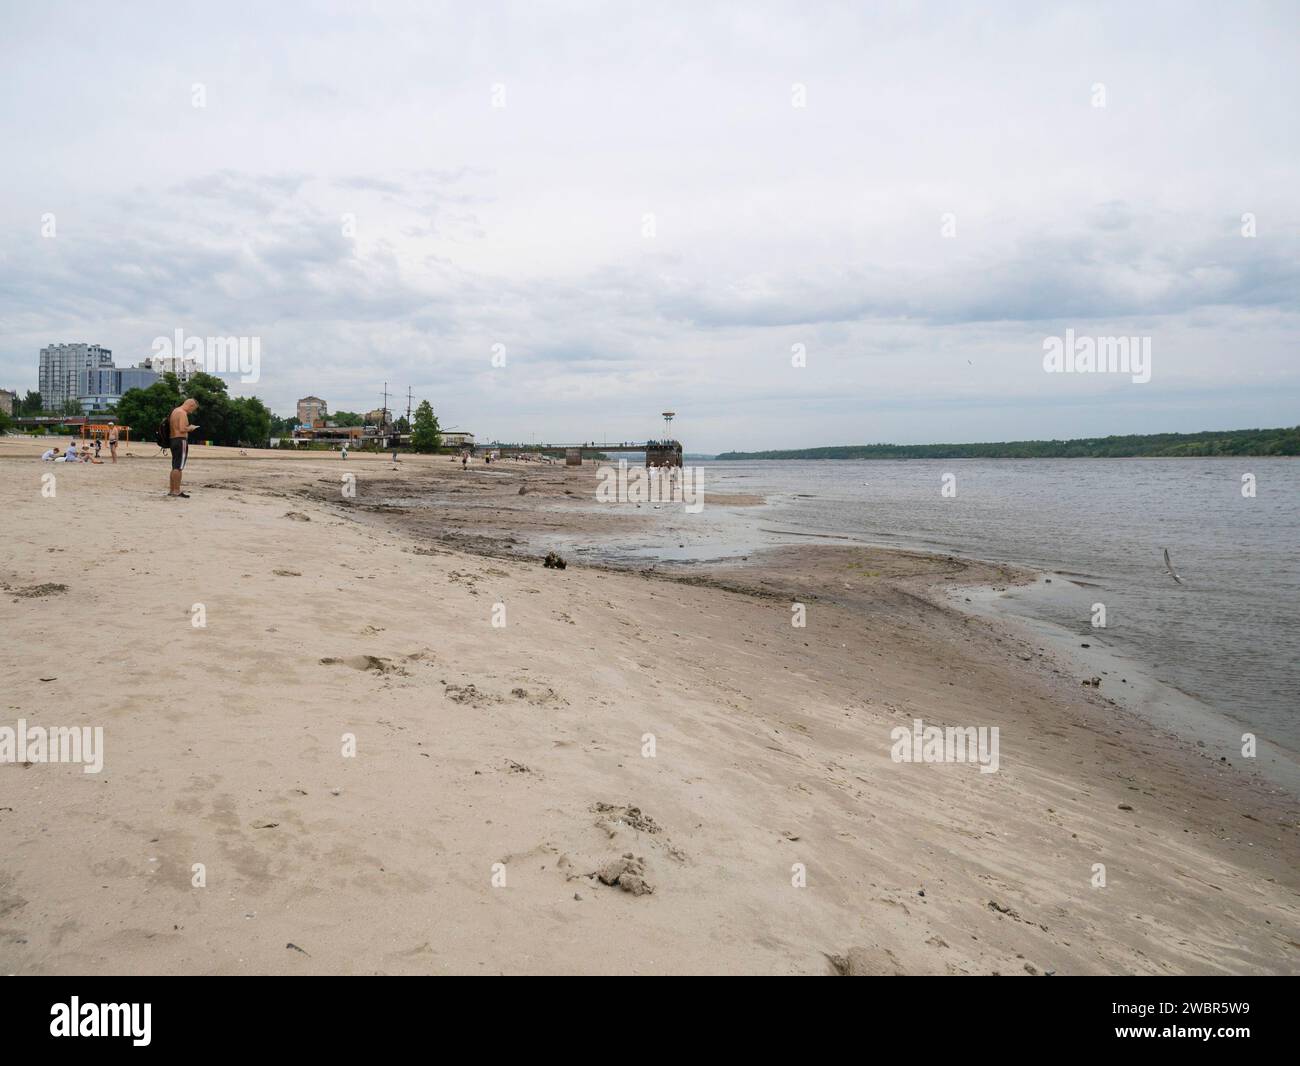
(32,592)
(539,699)
(365,662)
(468,694)
(613,815)
(861,962)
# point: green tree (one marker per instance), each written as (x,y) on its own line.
(427,435)
(5,421)
(242,421)
(31,404)
(1285,441)
(226,420)
(143,409)
(216,416)
(251,422)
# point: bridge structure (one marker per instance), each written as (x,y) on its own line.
(657,452)
(666,452)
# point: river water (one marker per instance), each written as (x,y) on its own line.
(1229,634)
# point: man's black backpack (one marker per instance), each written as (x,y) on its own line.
(164,434)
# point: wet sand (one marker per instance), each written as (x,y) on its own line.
(503,773)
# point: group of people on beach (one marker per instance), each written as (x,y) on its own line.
(488,458)
(85,454)
(178,433)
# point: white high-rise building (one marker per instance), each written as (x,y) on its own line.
(61,364)
(183,367)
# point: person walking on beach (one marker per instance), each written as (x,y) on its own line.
(178,431)
(112,443)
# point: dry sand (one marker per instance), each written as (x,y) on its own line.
(485,752)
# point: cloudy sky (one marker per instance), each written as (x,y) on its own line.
(630,200)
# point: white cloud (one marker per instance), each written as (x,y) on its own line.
(773,225)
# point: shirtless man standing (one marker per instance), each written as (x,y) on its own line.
(178,430)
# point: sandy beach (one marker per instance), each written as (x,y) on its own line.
(525,735)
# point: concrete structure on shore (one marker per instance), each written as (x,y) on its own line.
(7,401)
(663,453)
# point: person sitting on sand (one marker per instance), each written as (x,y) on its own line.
(50,456)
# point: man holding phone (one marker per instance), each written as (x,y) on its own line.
(178,431)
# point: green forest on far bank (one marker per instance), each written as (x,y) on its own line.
(1153,445)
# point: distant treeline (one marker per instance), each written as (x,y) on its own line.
(1153,445)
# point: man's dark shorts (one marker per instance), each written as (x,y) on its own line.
(180,448)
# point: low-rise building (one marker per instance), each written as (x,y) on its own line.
(332,433)
(101,387)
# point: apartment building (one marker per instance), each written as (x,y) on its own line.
(59,369)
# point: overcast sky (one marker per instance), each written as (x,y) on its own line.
(773,225)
